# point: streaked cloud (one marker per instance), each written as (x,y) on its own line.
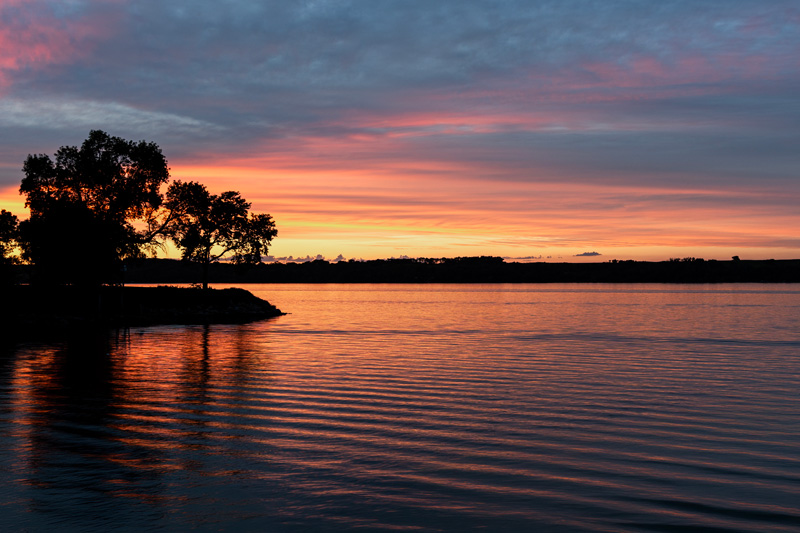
(52,114)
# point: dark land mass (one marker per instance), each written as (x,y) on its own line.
(471,270)
(40,311)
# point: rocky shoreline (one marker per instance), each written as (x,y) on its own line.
(34,309)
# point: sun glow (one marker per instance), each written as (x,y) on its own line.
(350,211)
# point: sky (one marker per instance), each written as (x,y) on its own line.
(534,130)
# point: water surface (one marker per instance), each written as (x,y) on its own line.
(422,408)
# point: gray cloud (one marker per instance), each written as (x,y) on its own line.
(588,254)
(28,113)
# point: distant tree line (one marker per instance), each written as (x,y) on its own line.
(93,207)
(473,270)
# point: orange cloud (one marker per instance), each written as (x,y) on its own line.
(349,211)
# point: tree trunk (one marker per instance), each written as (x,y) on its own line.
(205,274)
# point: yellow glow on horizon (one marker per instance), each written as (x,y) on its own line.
(10,200)
(440,210)
(358,215)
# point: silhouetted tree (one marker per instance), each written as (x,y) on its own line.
(8,234)
(92,207)
(8,241)
(208,227)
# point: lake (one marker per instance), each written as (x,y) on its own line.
(421,408)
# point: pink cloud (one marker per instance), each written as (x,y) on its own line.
(33,37)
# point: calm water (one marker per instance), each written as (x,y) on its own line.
(418,407)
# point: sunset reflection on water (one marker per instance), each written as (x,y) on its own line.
(554,408)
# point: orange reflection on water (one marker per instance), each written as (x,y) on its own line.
(151,392)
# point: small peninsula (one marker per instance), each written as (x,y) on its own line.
(94,209)
(32,308)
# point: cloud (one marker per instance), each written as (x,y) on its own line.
(292,259)
(86,115)
(269,65)
(588,254)
(37,34)
(524,259)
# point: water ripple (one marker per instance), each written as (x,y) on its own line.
(452,409)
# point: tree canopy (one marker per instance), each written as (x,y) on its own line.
(207,227)
(86,204)
(95,206)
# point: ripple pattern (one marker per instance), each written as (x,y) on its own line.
(422,408)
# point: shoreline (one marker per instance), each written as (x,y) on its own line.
(456,270)
(32,310)
(472,270)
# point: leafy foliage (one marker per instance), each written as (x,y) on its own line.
(94,206)
(207,227)
(85,205)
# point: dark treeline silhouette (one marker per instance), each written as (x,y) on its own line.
(94,207)
(473,270)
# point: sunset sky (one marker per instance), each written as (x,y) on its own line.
(526,129)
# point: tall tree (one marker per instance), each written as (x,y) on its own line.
(208,227)
(91,207)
